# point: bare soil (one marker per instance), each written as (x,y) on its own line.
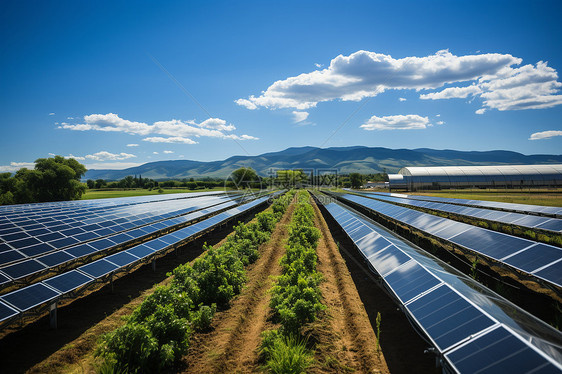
(346,339)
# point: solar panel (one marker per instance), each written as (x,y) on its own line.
(68,281)
(23,269)
(455,312)
(99,268)
(29,297)
(6,312)
(122,259)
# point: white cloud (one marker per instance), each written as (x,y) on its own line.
(112,165)
(15,166)
(105,156)
(175,129)
(480,111)
(246,103)
(401,99)
(367,74)
(299,116)
(399,122)
(440,122)
(545,134)
(173,139)
(318,65)
(132,145)
(168,152)
(181,156)
(51,114)
(69,117)
(154,153)
(438,115)
(78,158)
(452,93)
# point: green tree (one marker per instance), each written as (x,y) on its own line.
(100,183)
(243,177)
(91,184)
(356,180)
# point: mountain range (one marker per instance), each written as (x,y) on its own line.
(344,159)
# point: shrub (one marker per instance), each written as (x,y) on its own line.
(202,318)
(289,355)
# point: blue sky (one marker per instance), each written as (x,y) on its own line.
(118,84)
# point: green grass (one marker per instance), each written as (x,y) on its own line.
(534,197)
(95,194)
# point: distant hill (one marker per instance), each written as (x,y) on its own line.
(345,159)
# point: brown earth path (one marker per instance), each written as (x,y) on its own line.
(346,340)
(231,346)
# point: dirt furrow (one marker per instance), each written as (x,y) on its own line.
(347,341)
(231,346)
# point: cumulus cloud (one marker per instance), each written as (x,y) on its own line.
(399,122)
(299,116)
(112,165)
(107,156)
(132,145)
(78,158)
(318,65)
(173,139)
(173,129)
(367,74)
(440,122)
(15,166)
(168,152)
(402,99)
(452,93)
(545,134)
(480,111)
(154,153)
(51,114)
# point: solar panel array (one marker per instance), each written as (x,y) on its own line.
(543,261)
(33,243)
(18,302)
(553,225)
(511,207)
(474,330)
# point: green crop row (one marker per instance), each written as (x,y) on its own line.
(296,297)
(156,335)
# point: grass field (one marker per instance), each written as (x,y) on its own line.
(534,197)
(95,194)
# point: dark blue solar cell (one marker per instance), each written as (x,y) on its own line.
(98,269)
(552,225)
(449,229)
(498,351)
(552,273)
(138,233)
(38,232)
(140,251)
(127,225)
(106,223)
(372,243)
(80,250)
(55,259)
(168,239)
(410,280)
(535,257)
(63,242)
(32,226)
(6,312)
(22,243)
(116,228)
(86,236)
(156,244)
(37,249)
(10,256)
(30,296)
(388,259)
(91,227)
(158,225)
(69,281)
(14,236)
(490,243)
(72,232)
(50,237)
(4,278)
(360,233)
(59,227)
(121,238)
(103,232)
(5,247)
(121,259)
(23,269)
(11,230)
(102,244)
(447,317)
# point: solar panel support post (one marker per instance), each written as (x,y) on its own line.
(53,315)
(111,281)
(153,265)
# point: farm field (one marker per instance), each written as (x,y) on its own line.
(351,325)
(104,194)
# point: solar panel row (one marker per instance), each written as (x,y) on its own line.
(470,328)
(540,260)
(524,220)
(512,207)
(47,291)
